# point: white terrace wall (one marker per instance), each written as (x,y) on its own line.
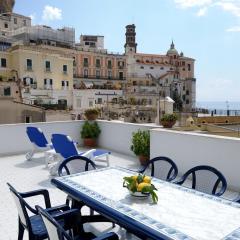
(117,136)
(192,149)
(14,140)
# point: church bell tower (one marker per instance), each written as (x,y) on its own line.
(130,45)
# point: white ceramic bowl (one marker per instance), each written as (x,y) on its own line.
(139,194)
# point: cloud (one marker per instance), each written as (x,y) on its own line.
(51,13)
(192,3)
(234,29)
(232,7)
(202,12)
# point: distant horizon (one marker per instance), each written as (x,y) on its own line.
(208,31)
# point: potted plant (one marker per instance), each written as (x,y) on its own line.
(168,120)
(91,114)
(90,132)
(141,145)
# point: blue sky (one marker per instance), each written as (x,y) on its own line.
(207,30)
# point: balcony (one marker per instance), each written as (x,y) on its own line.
(186,149)
(98,77)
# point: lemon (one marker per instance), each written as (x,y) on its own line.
(142,185)
(134,178)
(147,179)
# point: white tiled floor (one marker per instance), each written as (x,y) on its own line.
(30,175)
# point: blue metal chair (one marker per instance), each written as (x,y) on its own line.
(163,168)
(75,164)
(57,232)
(38,140)
(33,224)
(205,179)
(65,146)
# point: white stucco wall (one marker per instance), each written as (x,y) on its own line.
(117,136)
(192,149)
(14,140)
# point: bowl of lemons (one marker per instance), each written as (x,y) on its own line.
(140,186)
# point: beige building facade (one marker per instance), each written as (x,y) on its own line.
(44,73)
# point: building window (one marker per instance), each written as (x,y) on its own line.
(99,100)
(3,62)
(29,64)
(65,84)
(134,83)
(79,103)
(109,74)
(85,62)
(6,25)
(7,91)
(97,74)
(187,92)
(120,64)
(85,73)
(15,20)
(187,101)
(65,69)
(98,64)
(48,83)
(90,103)
(183,69)
(162,68)
(142,67)
(183,63)
(48,66)
(28,119)
(151,67)
(189,67)
(121,75)
(183,88)
(24,22)
(184,97)
(109,64)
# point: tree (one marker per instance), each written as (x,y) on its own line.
(177,106)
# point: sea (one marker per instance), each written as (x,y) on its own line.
(219,105)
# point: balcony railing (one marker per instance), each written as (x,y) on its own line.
(98,77)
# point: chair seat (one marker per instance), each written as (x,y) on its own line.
(38,226)
(100,152)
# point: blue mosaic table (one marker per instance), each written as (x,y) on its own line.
(180,214)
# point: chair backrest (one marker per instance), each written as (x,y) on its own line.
(163,168)
(75,164)
(37,137)
(64,145)
(205,179)
(21,207)
(54,229)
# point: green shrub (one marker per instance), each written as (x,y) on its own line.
(90,130)
(169,118)
(141,143)
(91,113)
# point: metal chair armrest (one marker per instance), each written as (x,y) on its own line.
(42,192)
(109,236)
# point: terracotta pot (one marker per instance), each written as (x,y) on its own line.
(91,117)
(89,142)
(168,124)
(143,160)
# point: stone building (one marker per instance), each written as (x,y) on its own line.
(17,112)
(154,76)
